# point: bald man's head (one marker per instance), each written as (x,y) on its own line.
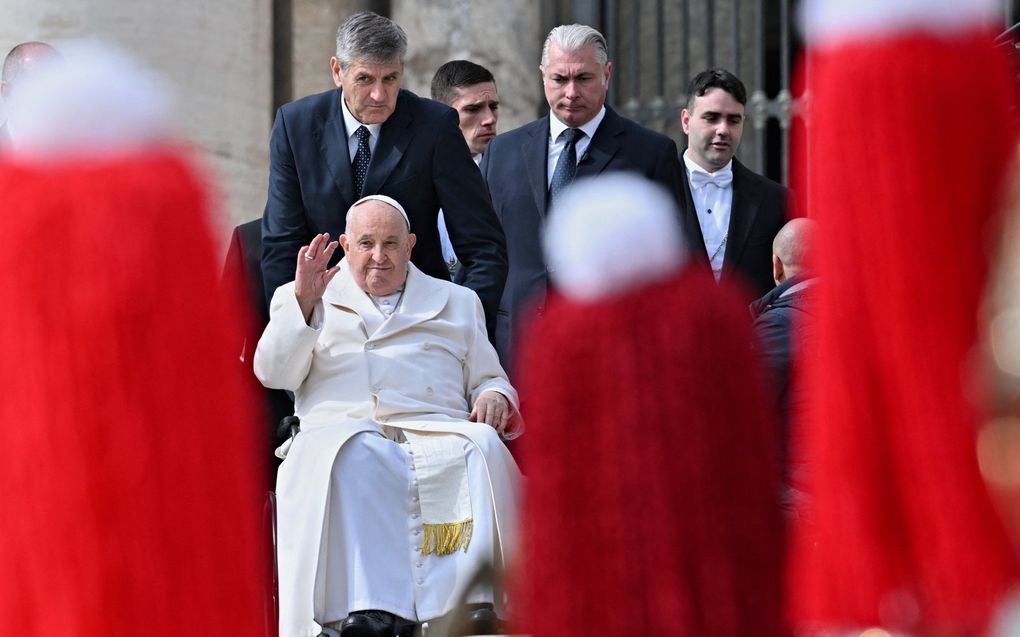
(24,59)
(792,249)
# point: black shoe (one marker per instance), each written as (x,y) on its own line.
(482,620)
(368,623)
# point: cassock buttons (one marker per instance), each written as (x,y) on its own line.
(425,345)
(428,390)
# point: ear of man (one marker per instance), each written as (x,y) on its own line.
(778,272)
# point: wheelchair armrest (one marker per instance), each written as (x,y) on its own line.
(288,428)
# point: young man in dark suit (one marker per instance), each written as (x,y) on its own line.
(581,137)
(731,215)
(370,137)
(470,89)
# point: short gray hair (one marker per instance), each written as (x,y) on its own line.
(369,37)
(573,37)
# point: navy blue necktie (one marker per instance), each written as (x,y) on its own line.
(361,160)
(566,165)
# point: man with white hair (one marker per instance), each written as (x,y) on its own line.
(398,487)
(528,167)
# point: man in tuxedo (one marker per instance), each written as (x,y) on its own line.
(470,89)
(528,167)
(731,215)
(368,136)
(23,60)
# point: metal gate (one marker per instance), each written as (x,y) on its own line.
(657,45)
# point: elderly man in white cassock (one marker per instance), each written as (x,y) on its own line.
(398,486)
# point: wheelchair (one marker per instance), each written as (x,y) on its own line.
(456,624)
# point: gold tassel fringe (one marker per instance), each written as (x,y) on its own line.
(444,539)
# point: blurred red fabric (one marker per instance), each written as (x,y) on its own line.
(132,489)
(907,150)
(650,456)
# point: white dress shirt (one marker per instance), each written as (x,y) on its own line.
(352,125)
(556,144)
(713,203)
(444,235)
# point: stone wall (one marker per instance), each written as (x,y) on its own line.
(213,55)
(504,36)
(218,58)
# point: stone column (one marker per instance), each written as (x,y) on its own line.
(682,58)
(504,36)
(314,39)
(214,58)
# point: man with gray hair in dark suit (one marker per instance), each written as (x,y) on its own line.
(528,167)
(368,136)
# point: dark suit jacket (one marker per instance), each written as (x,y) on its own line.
(420,159)
(242,270)
(759,211)
(514,167)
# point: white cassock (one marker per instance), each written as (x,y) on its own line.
(349,506)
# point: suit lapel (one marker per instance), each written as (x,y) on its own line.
(536,157)
(692,227)
(603,147)
(335,153)
(746,201)
(345,295)
(395,136)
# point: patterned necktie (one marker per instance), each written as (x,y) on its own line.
(566,165)
(361,160)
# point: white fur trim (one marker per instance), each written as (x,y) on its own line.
(611,233)
(1006,618)
(96,99)
(831,22)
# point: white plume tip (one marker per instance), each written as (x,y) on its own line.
(827,23)
(95,99)
(612,233)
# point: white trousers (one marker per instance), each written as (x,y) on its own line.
(373,533)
